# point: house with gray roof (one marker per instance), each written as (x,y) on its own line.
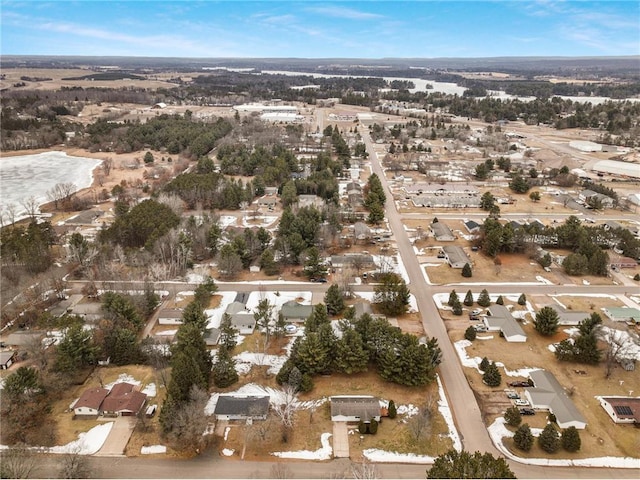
(354,409)
(456,256)
(569,317)
(442,232)
(294,312)
(501,320)
(622,314)
(170,316)
(340,261)
(548,394)
(7,359)
(242,407)
(241,319)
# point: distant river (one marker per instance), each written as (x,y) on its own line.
(34,175)
(446,87)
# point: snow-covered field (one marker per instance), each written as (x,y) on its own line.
(34,175)
(87,443)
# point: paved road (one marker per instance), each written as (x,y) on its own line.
(466,411)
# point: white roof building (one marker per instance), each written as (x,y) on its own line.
(614,167)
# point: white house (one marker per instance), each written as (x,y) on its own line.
(90,401)
(548,394)
(622,409)
(355,408)
(170,316)
(501,320)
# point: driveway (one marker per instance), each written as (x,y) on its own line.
(340,440)
(118,437)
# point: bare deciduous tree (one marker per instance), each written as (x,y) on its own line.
(190,422)
(75,465)
(107,165)
(30,206)
(286,410)
(364,470)
(619,345)
(17,461)
(174,202)
(420,424)
(280,470)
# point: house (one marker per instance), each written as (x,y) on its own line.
(170,316)
(471,226)
(500,319)
(442,232)
(361,231)
(242,407)
(270,190)
(622,409)
(355,409)
(353,260)
(90,401)
(588,196)
(294,312)
(456,256)
(90,312)
(622,314)
(267,201)
(310,201)
(548,394)
(569,317)
(7,359)
(241,319)
(211,336)
(610,225)
(123,400)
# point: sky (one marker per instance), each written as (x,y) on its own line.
(320,29)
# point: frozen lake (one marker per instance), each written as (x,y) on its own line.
(34,175)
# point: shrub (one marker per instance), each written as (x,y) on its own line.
(468,299)
(470,334)
(457,308)
(492,376)
(393,411)
(484,300)
(637,277)
(362,427)
(522,299)
(373,426)
(500,300)
(453,298)
(512,417)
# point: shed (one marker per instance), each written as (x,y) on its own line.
(242,407)
(355,408)
(548,394)
(7,359)
(471,226)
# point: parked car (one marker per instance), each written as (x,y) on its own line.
(513,395)
(480,328)
(319,280)
(476,312)
(290,329)
(519,384)
(527,411)
(521,403)
(474,317)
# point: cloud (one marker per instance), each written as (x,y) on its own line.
(344,12)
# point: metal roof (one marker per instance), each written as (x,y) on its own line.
(249,405)
(548,391)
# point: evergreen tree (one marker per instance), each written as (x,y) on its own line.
(570,439)
(189,340)
(484,300)
(311,355)
(470,334)
(466,271)
(457,308)
(334,300)
(373,426)
(228,333)
(392,295)
(184,374)
(351,355)
(546,321)
(492,376)
(76,350)
(453,298)
(500,300)
(468,299)
(523,438)
(194,314)
(362,428)
(224,370)
(318,316)
(549,441)
(512,416)
(314,266)
(522,299)
(463,464)
(393,411)
(484,364)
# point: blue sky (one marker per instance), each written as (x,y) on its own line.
(365,29)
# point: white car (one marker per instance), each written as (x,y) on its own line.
(521,403)
(476,312)
(290,329)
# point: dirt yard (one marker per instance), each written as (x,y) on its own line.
(601,437)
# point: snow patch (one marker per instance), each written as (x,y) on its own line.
(153,449)
(227,452)
(87,443)
(323,453)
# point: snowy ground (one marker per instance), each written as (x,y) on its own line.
(392,264)
(277,298)
(265,221)
(87,443)
(214,315)
(153,449)
(323,453)
(474,362)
